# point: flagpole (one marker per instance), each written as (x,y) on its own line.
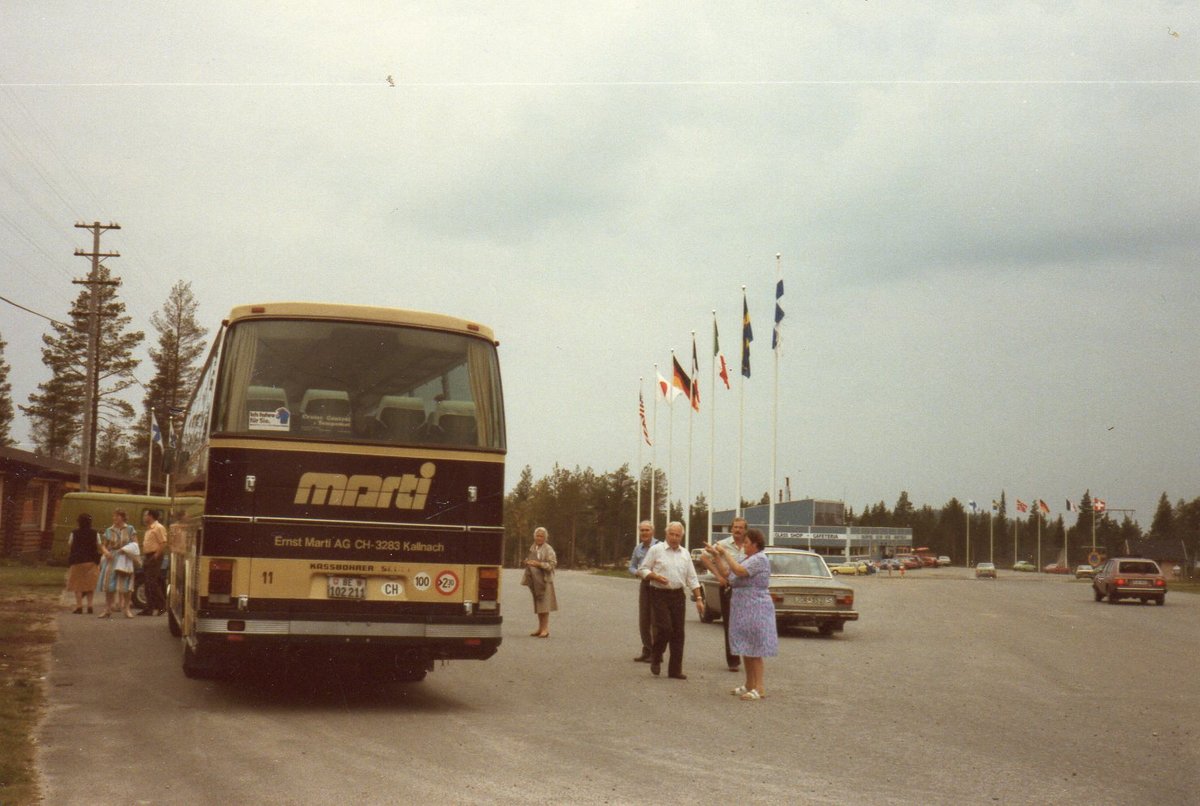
(670,480)
(991,541)
(1014,541)
(687,505)
(1039,539)
(742,414)
(775,407)
(654,456)
(640,438)
(712,431)
(968,540)
(149,448)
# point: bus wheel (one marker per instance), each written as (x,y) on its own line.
(193,667)
(173,624)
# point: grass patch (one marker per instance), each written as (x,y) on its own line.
(28,598)
(1183,585)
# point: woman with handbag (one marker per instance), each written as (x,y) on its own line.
(539,578)
(117,565)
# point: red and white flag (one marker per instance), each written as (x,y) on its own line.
(1022,506)
(665,390)
(1099,504)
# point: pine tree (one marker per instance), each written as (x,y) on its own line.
(6,405)
(180,346)
(56,409)
(1163,525)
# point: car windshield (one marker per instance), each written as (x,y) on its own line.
(797,565)
(1139,567)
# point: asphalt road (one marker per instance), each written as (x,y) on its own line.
(949,690)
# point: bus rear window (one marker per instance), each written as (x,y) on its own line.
(359,382)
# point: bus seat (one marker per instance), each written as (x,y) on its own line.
(455,420)
(325,411)
(264,399)
(401,416)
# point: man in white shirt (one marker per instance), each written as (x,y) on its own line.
(669,570)
(735,544)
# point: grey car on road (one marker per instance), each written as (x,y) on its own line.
(804,591)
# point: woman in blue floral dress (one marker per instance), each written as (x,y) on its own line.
(752,631)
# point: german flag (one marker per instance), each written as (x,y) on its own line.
(681,381)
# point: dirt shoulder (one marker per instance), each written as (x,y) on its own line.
(29,601)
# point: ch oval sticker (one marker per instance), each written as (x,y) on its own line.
(447,583)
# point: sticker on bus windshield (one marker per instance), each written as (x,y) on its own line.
(270,420)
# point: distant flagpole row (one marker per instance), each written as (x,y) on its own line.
(687,385)
(1035,506)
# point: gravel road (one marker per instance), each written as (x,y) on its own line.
(949,690)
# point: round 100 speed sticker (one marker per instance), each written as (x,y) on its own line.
(446,583)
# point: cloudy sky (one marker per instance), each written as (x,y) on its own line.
(987,215)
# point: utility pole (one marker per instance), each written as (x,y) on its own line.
(90,391)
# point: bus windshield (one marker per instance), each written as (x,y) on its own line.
(356,382)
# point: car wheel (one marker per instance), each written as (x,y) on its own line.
(826,628)
(1161,600)
(139,596)
(1097,594)
(1113,597)
(412,675)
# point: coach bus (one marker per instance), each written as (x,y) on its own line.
(350,461)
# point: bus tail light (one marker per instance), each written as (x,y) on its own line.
(489,588)
(220,581)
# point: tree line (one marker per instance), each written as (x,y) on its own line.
(120,434)
(592,517)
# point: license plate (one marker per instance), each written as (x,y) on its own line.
(347,588)
(807,599)
(1141,583)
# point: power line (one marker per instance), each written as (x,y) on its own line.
(35,313)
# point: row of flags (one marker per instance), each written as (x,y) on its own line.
(1038,505)
(681,383)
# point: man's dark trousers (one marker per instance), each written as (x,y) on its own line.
(645,622)
(732,661)
(152,579)
(668,607)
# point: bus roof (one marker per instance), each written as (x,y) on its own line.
(359,313)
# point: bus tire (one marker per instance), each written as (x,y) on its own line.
(193,667)
(173,624)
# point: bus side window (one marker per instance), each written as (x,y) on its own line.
(325,411)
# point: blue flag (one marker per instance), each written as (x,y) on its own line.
(747,337)
(778,314)
(156,437)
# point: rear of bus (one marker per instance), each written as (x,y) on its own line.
(351,462)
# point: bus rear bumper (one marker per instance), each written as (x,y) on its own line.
(419,641)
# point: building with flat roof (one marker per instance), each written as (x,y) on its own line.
(818,524)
